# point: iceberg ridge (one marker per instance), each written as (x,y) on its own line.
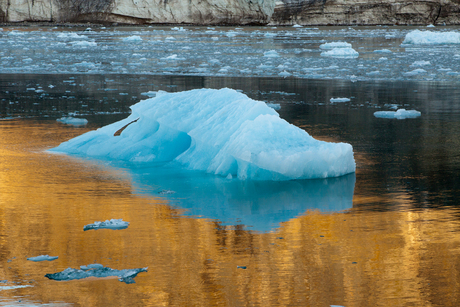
(218,131)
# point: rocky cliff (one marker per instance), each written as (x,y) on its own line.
(206,12)
(241,12)
(366,12)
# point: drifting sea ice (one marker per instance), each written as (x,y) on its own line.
(399,114)
(334,45)
(218,131)
(418,37)
(115,224)
(96,270)
(43,258)
(341,53)
(73,121)
(339,100)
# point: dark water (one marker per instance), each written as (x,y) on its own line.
(388,235)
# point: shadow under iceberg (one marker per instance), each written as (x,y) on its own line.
(259,205)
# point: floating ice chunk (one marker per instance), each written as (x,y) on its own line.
(415,72)
(132,38)
(150,93)
(339,100)
(85,65)
(334,45)
(418,37)
(217,131)
(383,51)
(91,266)
(181,29)
(383,59)
(71,35)
(420,63)
(173,57)
(271,54)
(274,106)
(284,74)
(297,26)
(115,224)
(13,287)
(430,26)
(98,271)
(341,53)
(83,44)
(43,258)
(399,114)
(73,121)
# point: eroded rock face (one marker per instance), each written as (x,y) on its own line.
(366,12)
(207,12)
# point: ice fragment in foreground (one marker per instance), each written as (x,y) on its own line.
(115,224)
(96,270)
(400,114)
(218,131)
(418,37)
(43,258)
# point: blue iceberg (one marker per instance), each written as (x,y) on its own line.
(222,132)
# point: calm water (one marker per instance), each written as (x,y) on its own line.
(388,235)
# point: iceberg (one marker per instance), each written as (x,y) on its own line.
(115,224)
(43,258)
(220,132)
(98,271)
(418,37)
(399,114)
(338,99)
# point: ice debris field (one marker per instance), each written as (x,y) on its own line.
(221,132)
(347,53)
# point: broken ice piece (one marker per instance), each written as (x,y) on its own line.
(98,271)
(115,224)
(43,258)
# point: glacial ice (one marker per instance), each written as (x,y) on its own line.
(43,258)
(217,131)
(338,99)
(334,45)
(399,114)
(73,121)
(341,53)
(418,37)
(115,224)
(98,271)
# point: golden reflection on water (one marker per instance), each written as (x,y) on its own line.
(352,258)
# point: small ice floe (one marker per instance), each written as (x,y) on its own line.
(418,37)
(173,57)
(399,114)
(149,93)
(166,192)
(339,100)
(274,106)
(430,26)
(73,121)
(83,44)
(181,29)
(132,38)
(271,54)
(284,74)
(98,271)
(383,51)
(43,258)
(415,72)
(115,224)
(420,63)
(334,45)
(341,53)
(13,287)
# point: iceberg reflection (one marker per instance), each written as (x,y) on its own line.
(260,205)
